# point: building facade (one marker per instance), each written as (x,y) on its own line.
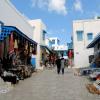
(39,36)
(84,32)
(54,43)
(96,45)
(62,50)
(15,39)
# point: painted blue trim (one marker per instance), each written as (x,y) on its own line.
(6,30)
(89,36)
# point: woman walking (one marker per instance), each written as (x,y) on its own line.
(58,63)
(62,64)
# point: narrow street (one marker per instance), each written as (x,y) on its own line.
(48,85)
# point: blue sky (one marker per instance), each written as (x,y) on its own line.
(58,15)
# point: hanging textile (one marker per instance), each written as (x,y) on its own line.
(6,46)
(26,48)
(70,54)
(30,48)
(11,44)
(1,49)
(26,45)
(15,44)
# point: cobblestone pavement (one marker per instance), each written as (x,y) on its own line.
(48,85)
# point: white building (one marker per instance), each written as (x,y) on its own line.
(83,33)
(96,45)
(14,21)
(54,43)
(39,36)
(62,49)
(48,43)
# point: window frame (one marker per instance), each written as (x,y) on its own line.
(53,42)
(78,35)
(43,36)
(89,38)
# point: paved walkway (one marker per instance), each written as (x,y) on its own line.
(47,85)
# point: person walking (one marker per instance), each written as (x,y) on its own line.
(58,63)
(62,64)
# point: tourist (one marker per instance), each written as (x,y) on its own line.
(58,63)
(62,64)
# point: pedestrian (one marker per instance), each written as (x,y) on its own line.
(62,64)
(58,63)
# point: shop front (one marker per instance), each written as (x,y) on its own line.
(96,57)
(16,50)
(48,57)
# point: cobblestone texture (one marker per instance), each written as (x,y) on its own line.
(48,85)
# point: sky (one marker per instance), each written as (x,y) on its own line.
(58,15)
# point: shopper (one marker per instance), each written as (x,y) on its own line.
(58,63)
(62,64)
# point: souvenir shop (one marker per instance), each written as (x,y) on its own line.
(48,56)
(95,62)
(15,53)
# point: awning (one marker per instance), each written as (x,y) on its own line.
(45,47)
(6,30)
(95,41)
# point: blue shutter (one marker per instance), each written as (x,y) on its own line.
(79,35)
(90,36)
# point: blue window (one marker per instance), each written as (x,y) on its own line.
(79,35)
(58,42)
(90,36)
(53,42)
(43,35)
(50,43)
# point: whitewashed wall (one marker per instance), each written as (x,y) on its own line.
(81,53)
(61,47)
(12,17)
(47,42)
(56,41)
(38,26)
(38,37)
